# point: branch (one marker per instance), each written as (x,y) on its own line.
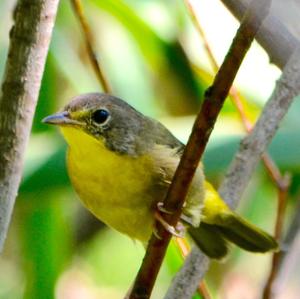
(242,167)
(281,207)
(253,145)
(213,102)
(289,250)
(29,42)
(291,234)
(88,37)
(273,36)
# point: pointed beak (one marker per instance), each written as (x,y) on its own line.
(61,119)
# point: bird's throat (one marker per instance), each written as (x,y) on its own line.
(112,186)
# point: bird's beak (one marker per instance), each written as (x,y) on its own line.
(61,119)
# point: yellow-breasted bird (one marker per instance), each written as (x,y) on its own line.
(121,163)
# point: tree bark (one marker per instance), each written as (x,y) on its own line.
(29,43)
(273,36)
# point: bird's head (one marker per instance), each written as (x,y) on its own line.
(105,118)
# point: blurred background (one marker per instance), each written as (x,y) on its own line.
(156,61)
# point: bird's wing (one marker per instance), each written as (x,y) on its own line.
(166,160)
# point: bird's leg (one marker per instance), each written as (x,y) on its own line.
(177,231)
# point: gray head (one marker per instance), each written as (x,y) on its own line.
(122,128)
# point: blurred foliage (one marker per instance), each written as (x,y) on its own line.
(54,248)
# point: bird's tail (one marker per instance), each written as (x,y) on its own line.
(220,225)
(213,239)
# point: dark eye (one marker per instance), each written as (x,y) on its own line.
(100,116)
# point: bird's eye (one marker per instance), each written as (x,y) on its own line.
(100,116)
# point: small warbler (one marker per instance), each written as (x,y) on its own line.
(121,164)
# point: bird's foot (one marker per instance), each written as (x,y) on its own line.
(161,208)
(177,231)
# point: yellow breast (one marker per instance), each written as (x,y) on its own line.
(112,186)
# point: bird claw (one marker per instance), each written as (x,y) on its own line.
(156,234)
(161,208)
(177,231)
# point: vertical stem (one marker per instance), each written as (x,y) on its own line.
(29,41)
(88,37)
(282,197)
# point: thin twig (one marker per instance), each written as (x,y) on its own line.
(241,168)
(234,95)
(201,32)
(292,232)
(88,37)
(282,198)
(289,250)
(213,102)
(273,171)
(29,42)
(183,246)
(203,289)
(236,99)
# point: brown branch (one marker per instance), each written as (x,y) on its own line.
(282,198)
(204,290)
(236,99)
(184,247)
(88,37)
(213,102)
(288,253)
(273,36)
(29,41)
(202,34)
(234,95)
(241,168)
(292,232)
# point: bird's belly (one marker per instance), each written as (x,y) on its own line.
(116,190)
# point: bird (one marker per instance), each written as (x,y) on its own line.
(121,164)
